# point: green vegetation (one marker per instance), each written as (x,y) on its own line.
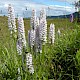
(60,61)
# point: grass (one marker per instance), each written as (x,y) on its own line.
(57,62)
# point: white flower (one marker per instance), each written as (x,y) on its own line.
(52,33)
(33,19)
(19,46)
(21,42)
(38,41)
(37,22)
(31,38)
(29,63)
(43,30)
(43,26)
(31,70)
(21,31)
(11,19)
(43,14)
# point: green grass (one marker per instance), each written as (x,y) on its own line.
(57,62)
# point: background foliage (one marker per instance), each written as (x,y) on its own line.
(60,61)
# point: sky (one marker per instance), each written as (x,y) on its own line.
(24,7)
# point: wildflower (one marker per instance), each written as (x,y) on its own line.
(33,19)
(21,31)
(37,22)
(11,19)
(19,46)
(21,42)
(43,14)
(43,30)
(29,63)
(43,26)
(37,40)
(31,38)
(52,33)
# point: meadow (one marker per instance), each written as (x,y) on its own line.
(58,61)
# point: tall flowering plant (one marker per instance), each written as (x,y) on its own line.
(43,26)
(31,38)
(43,30)
(33,19)
(11,19)
(52,33)
(37,35)
(38,43)
(21,43)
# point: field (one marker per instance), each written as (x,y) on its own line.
(60,61)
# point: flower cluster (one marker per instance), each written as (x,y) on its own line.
(38,42)
(38,33)
(29,63)
(33,19)
(36,22)
(43,14)
(21,43)
(31,38)
(19,46)
(11,19)
(43,26)
(52,33)
(43,30)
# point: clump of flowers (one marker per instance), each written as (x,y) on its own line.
(37,35)
(38,42)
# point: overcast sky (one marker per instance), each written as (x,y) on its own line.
(53,7)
